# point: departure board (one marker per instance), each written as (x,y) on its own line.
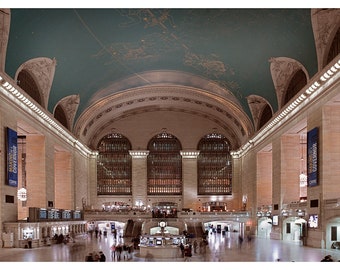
(42,213)
(77,215)
(51,214)
(66,214)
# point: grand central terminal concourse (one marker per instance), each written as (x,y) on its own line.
(169,135)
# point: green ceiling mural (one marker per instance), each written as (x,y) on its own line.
(96,47)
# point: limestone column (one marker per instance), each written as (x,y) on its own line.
(36,171)
(63,191)
(329,155)
(291,167)
(264,179)
(189,178)
(139,177)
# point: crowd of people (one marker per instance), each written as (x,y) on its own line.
(327,258)
(121,252)
(196,247)
(63,239)
(95,257)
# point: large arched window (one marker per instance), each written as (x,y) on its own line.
(334,49)
(298,81)
(164,165)
(265,116)
(114,168)
(214,166)
(27,83)
(60,115)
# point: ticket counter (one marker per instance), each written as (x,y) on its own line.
(37,234)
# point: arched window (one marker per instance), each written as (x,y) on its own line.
(60,115)
(265,116)
(114,168)
(298,81)
(27,83)
(334,49)
(214,166)
(164,165)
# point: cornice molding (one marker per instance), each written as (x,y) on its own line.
(19,98)
(315,90)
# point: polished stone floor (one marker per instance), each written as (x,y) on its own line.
(221,248)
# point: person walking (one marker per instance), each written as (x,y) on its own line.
(240,241)
(327,258)
(187,253)
(102,257)
(89,258)
(113,252)
(119,250)
(181,246)
(29,242)
(195,246)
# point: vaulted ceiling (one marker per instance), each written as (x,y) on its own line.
(100,52)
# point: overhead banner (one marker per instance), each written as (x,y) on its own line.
(313,157)
(12,158)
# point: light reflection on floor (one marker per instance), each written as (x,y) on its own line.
(221,248)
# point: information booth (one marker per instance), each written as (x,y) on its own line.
(161,244)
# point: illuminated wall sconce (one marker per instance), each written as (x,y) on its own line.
(300,213)
(285,213)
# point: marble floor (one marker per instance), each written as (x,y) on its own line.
(221,248)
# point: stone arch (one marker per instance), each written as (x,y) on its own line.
(191,95)
(41,70)
(66,109)
(5,19)
(27,83)
(297,82)
(283,70)
(260,109)
(325,23)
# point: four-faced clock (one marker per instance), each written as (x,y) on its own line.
(162,224)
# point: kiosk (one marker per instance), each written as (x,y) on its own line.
(161,244)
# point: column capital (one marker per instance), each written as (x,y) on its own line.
(190,153)
(139,153)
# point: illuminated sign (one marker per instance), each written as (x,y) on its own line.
(42,214)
